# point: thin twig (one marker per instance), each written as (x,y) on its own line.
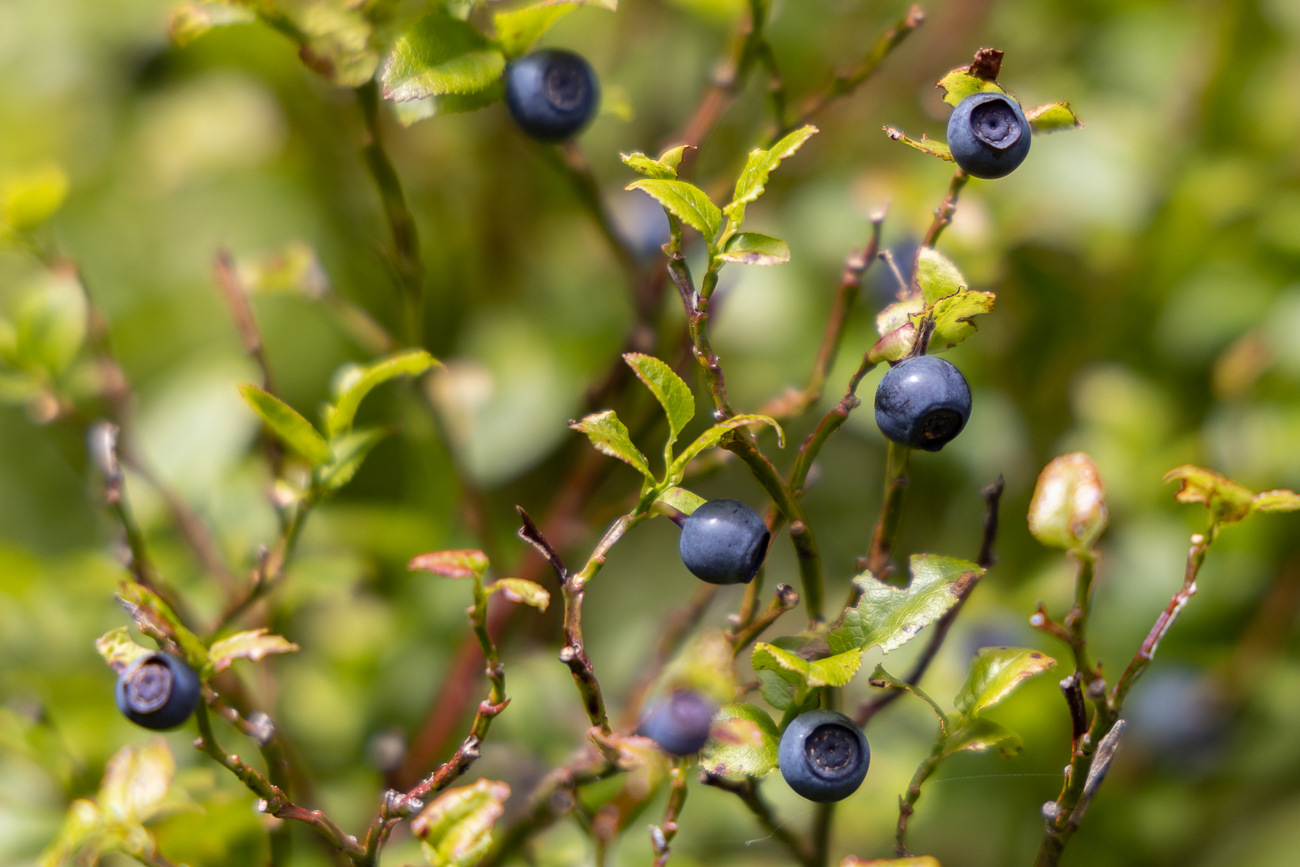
(947,208)
(786,599)
(661,835)
(747,791)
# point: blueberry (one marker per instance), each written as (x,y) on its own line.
(922,403)
(680,725)
(824,755)
(158,691)
(988,135)
(724,542)
(551,94)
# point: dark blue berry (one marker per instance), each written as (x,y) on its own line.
(824,755)
(724,542)
(680,725)
(551,94)
(158,691)
(922,403)
(988,135)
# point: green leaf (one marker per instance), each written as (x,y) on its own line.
(1053,117)
(713,436)
(361,382)
(672,392)
(686,202)
(835,670)
(285,422)
(610,436)
(664,168)
(30,198)
(937,276)
(1068,509)
(995,673)
(456,827)
(518,29)
(1227,501)
(440,54)
(978,735)
(759,166)
(415,110)
(338,44)
(960,83)
(706,666)
(952,317)
(776,690)
(459,563)
(890,616)
(523,591)
(154,618)
(1276,501)
(681,499)
(119,649)
(52,324)
(742,742)
(190,20)
(350,452)
(925,145)
(253,645)
(939,293)
(751,248)
(136,780)
(79,835)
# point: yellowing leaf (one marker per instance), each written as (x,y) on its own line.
(191,19)
(252,645)
(742,742)
(1276,501)
(119,649)
(995,673)
(1068,509)
(136,780)
(610,436)
(518,29)
(835,670)
(153,616)
(961,83)
(456,827)
(460,563)
(890,616)
(979,734)
(1053,117)
(522,590)
(1226,500)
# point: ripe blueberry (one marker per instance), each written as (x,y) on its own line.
(724,542)
(680,725)
(551,94)
(824,755)
(922,403)
(158,691)
(988,135)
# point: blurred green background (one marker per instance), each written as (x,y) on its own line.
(1147,271)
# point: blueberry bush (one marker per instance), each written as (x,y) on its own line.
(297,297)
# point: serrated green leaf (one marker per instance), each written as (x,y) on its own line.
(152,615)
(751,248)
(610,436)
(937,276)
(518,29)
(743,742)
(190,20)
(350,452)
(672,392)
(926,145)
(1227,501)
(664,168)
(1068,509)
(412,363)
(415,110)
(52,324)
(686,202)
(681,499)
(338,43)
(30,198)
(440,54)
(713,436)
(759,167)
(523,591)
(1053,117)
(253,645)
(119,649)
(959,84)
(458,563)
(285,422)
(136,780)
(891,616)
(776,690)
(836,670)
(456,827)
(995,673)
(978,735)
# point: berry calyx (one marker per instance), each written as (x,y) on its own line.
(680,725)
(551,94)
(824,756)
(922,403)
(988,135)
(724,542)
(158,691)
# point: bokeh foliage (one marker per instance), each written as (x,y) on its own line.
(1146,274)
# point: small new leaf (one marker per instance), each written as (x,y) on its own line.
(360,384)
(136,780)
(890,616)
(1068,509)
(440,54)
(119,649)
(664,168)
(285,422)
(681,499)
(963,82)
(155,619)
(835,670)
(978,735)
(253,645)
(523,591)
(518,29)
(1053,117)
(456,828)
(926,145)
(937,276)
(1227,501)
(713,436)
(760,165)
(686,202)
(672,392)
(460,563)
(610,436)
(995,673)
(743,742)
(751,248)
(350,452)
(31,198)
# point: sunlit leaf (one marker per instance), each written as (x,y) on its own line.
(192,19)
(926,145)
(153,616)
(460,563)
(350,452)
(1276,501)
(52,323)
(664,168)
(440,54)
(923,861)
(1053,117)
(995,673)
(518,29)
(673,394)
(136,780)
(456,827)
(523,591)
(119,649)
(937,276)
(751,248)
(30,198)
(705,667)
(686,202)
(338,42)
(836,670)
(681,499)
(960,83)
(362,382)
(979,734)
(285,422)
(1068,509)
(714,435)
(1226,500)
(890,616)
(759,167)
(610,436)
(80,834)
(742,742)
(253,645)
